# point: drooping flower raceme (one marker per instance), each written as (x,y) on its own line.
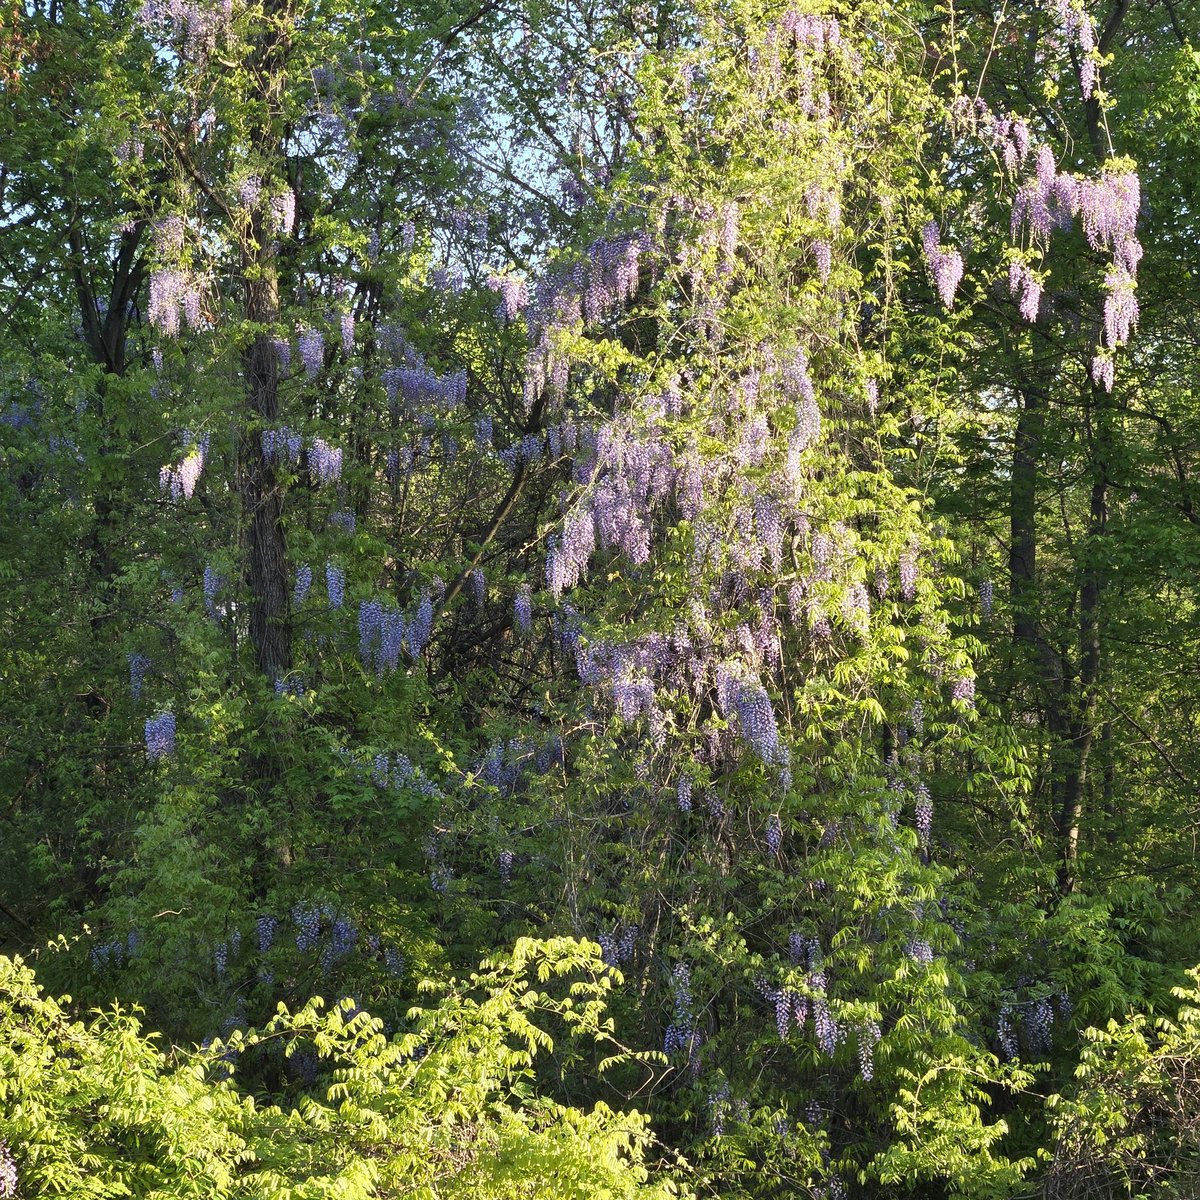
(1120,306)
(304,578)
(9,1180)
(312,350)
(160,735)
(325,460)
(522,609)
(138,666)
(335,584)
(945,265)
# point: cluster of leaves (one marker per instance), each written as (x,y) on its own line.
(445,1108)
(735,740)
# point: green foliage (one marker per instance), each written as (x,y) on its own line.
(783,191)
(1128,1126)
(98,1109)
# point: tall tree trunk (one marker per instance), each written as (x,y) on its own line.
(1028,636)
(1090,646)
(262,492)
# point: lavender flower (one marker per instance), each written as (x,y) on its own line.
(335,584)
(189,472)
(249,190)
(823,253)
(283,212)
(392,630)
(1120,306)
(856,608)
(325,460)
(196,28)
(160,735)
(9,1180)
(1102,371)
(370,624)
(212,584)
(747,699)
(167,285)
(139,664)
(919,950)
(784,1005)
(514,295)
(774,834)
(908,575)
(304,578)
(522,609)
(824,1024)
(962,689)
(312,350)
(168,235)
(868,1038)
(1109,208)
(945,266)
(683,794)
(1005,1033)
(1039,1022)
(308,926)
(871,388)
(421,627)
(924,815)
(265,927)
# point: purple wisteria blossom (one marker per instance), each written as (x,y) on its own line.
(335,584)
(212,584)
(945,265)
(160,735)
(683,794)
(281,445)
(908,574)
(514,295)
(9,1179)
(744,699)
(869,1035)
(1120,306)
(196,28)
(312,350)
(774,834)
(523,609)
(823,253)
(325,461)
(139,664)
(1102,371)
(304,578)
(283,212)
(924,814)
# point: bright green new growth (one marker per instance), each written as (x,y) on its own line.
(447,1109)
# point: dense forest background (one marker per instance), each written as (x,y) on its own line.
(599,598)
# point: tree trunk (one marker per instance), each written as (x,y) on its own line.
(262,493)
(1028,636)
(1090,658)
